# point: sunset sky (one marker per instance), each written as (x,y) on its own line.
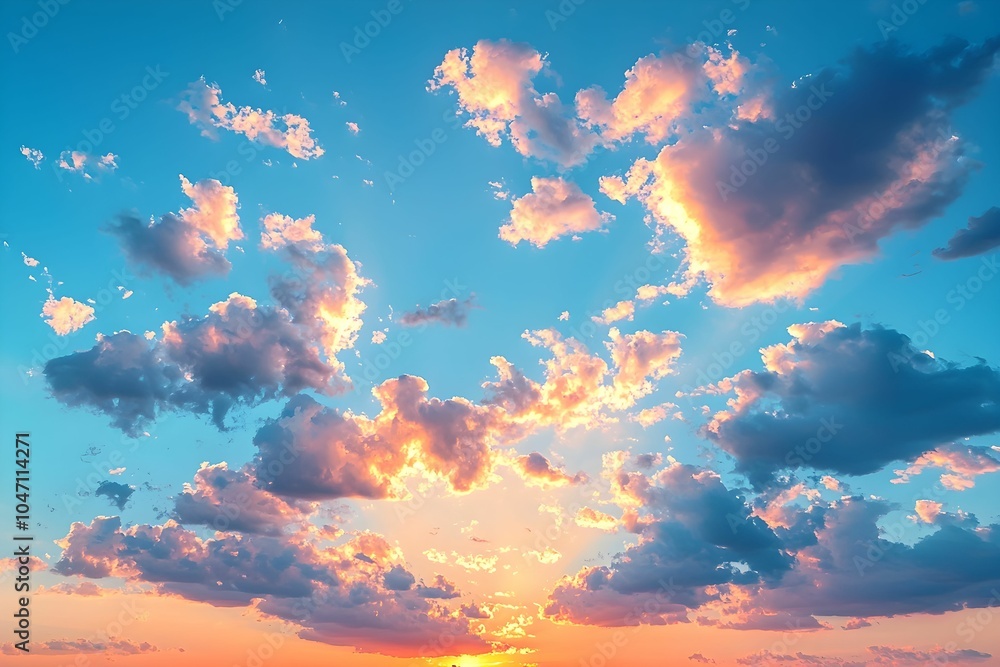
(526,333)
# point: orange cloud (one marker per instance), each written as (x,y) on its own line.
(553,209)
(66,315)
(203,105)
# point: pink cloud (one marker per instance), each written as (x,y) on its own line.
(203,105)
(555,208)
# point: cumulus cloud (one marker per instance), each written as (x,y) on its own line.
(703,554)
(770,207)
(322,294)
(314,452)
(188,245)
(495,88)
(848,400)
(981,235)
(238,353)
(66,315)
(692,532)
(282,230)
(554,208)
(203,105)
(331,594)
(225,499)
(449,312)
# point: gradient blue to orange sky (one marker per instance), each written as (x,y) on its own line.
(559,333)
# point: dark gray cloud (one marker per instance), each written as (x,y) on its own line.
(695,534)
(862,565)
(450,312)
(237,354)
(852,400)
(116,492)
(170,246)
(981,235)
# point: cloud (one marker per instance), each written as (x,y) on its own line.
(188,245)
(66,315)
(238,353)
(961,465)
(927,510)
(322,293)
(981,235)
(553,209)
(225,499)
(876,655)
(83,646)
(587,517)
(33,155)
(623,310)
(86,164)
(450,312)
(693,532)
(536,470)
(204,107)
(332,594)
(771,207)
(846,565)
(900,404)
(260,77)
(701,548)
(315,452)
(115,492)
(282,230)
(495,87)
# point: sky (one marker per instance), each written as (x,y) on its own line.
(526,333)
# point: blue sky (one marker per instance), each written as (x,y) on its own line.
(434,237)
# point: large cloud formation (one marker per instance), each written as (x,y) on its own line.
(203,105)
(850,400)
(770,206)
(313,452)
(693,532)
(188,245)
(705,555)
(237,353)
(240,352)
(333,594)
